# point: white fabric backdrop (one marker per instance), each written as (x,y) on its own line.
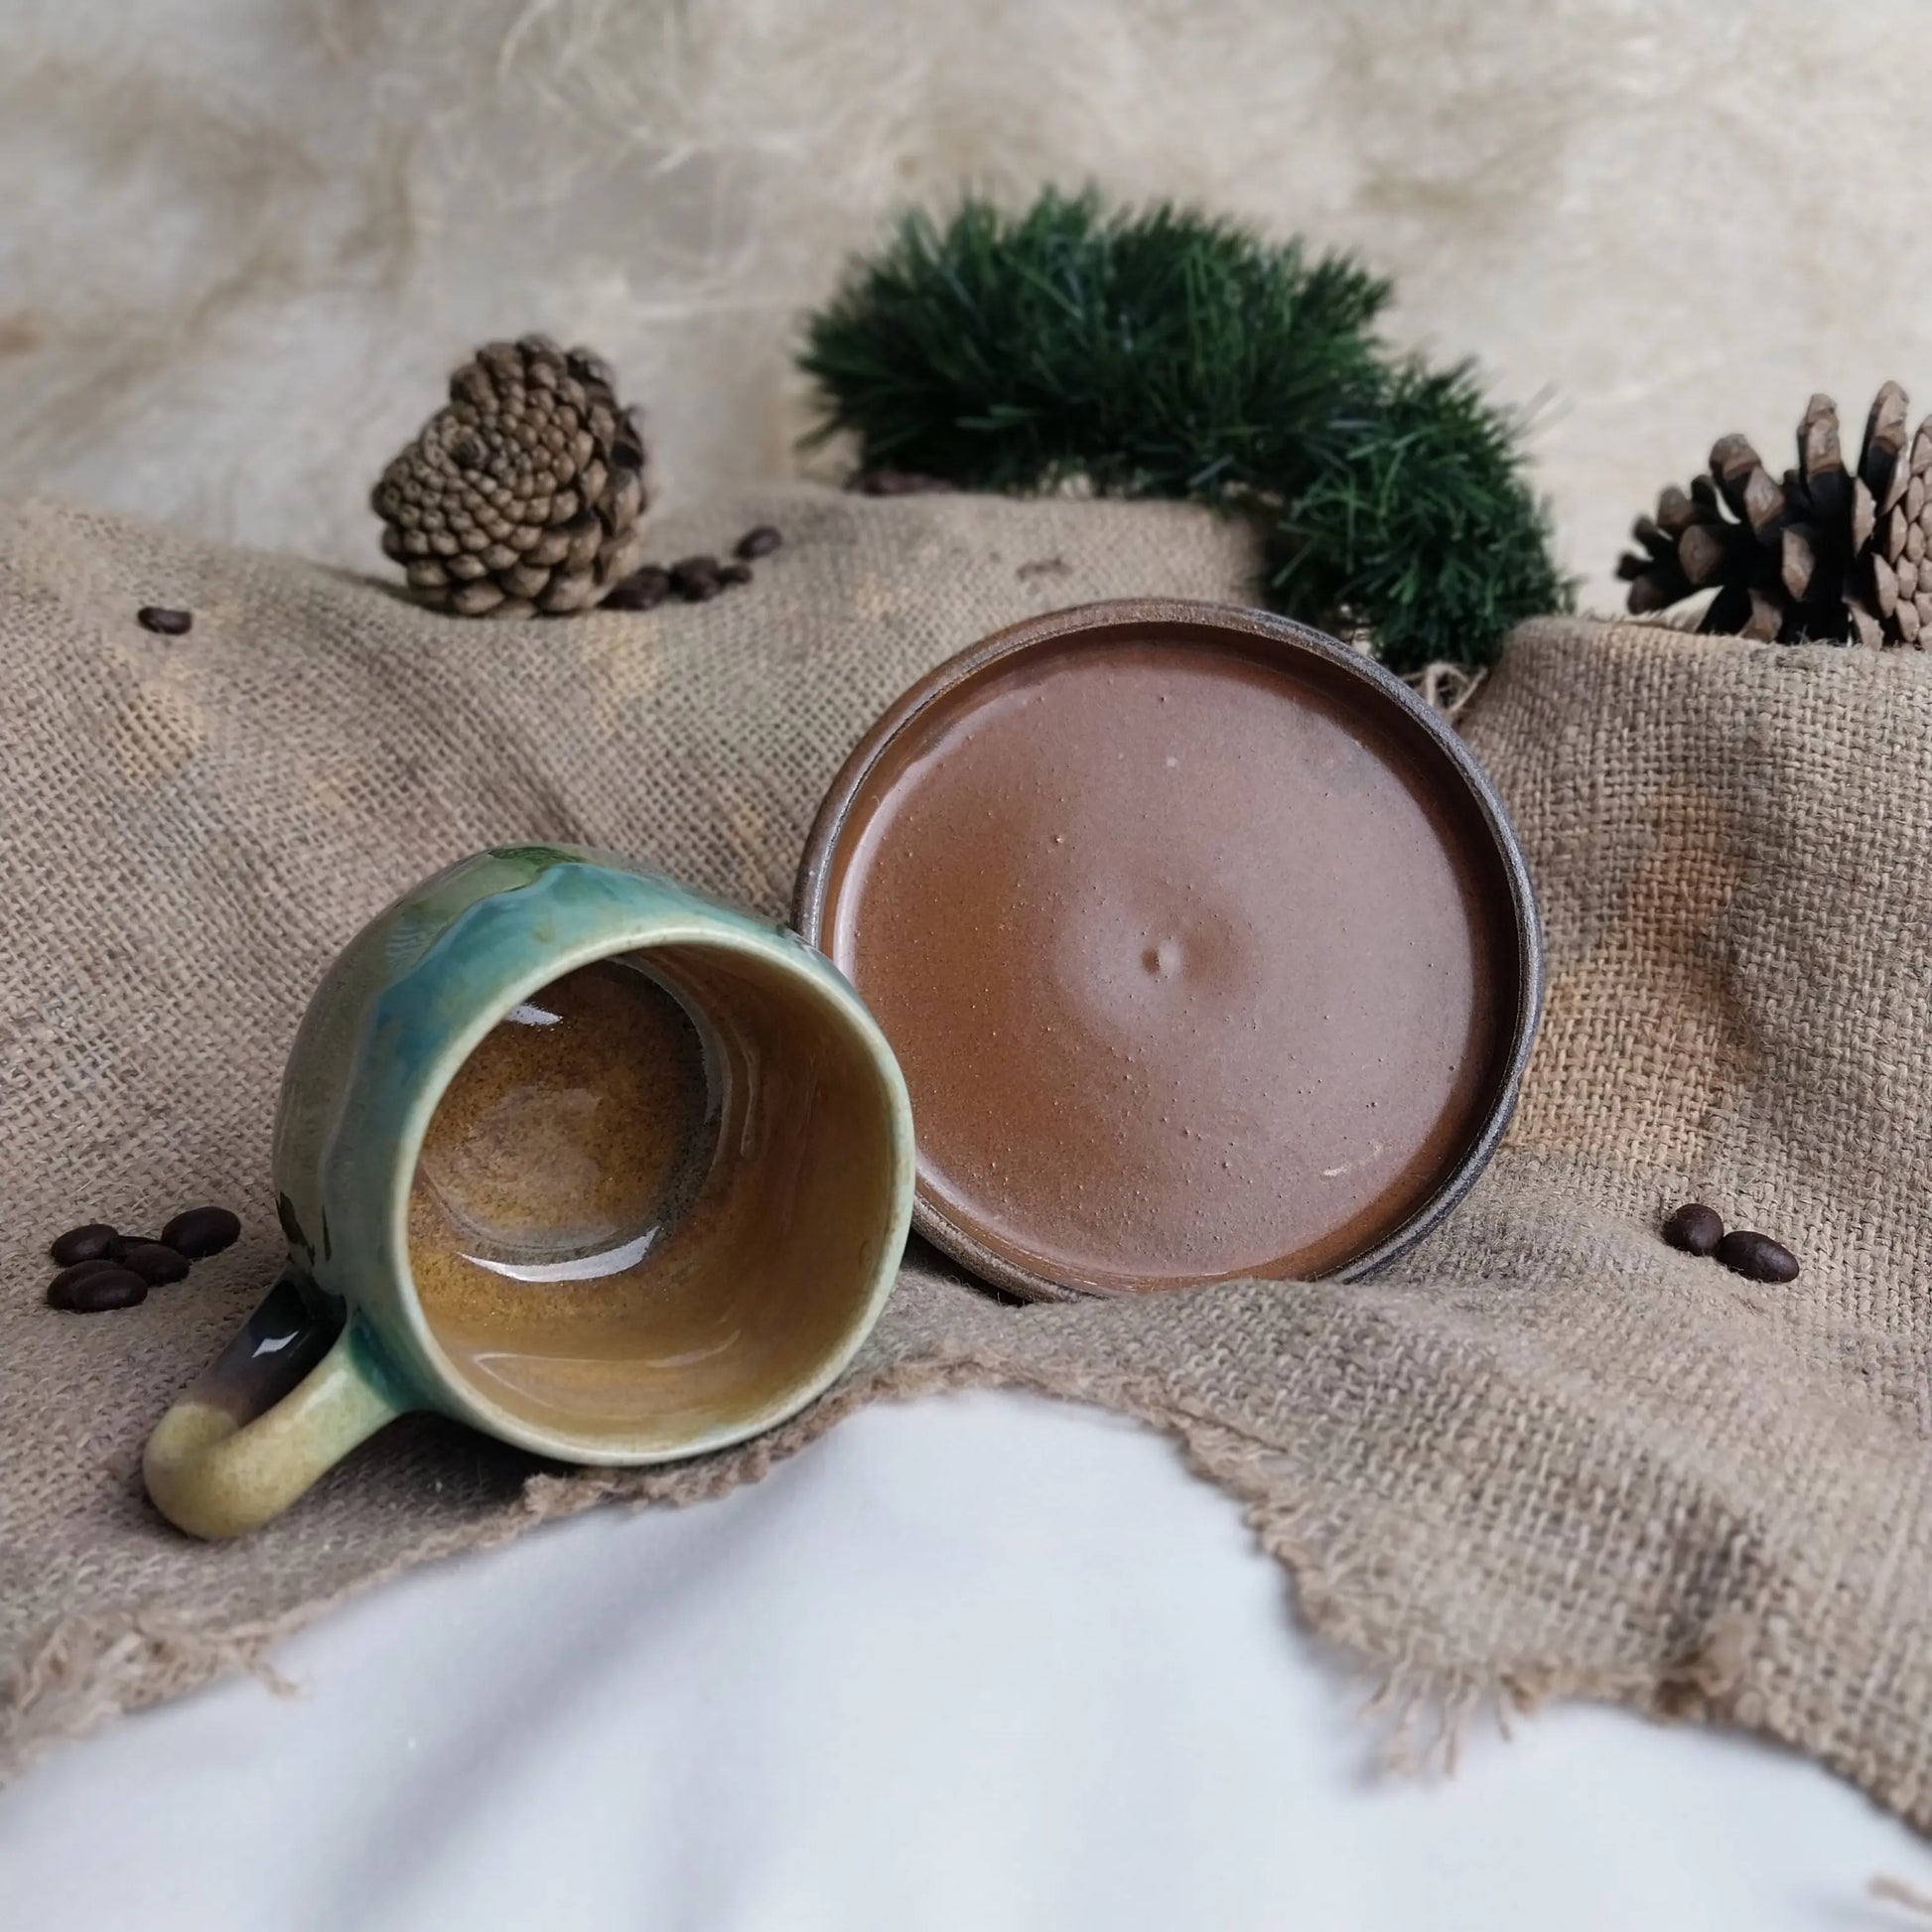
(979,1663)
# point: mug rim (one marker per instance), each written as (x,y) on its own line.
(820,980)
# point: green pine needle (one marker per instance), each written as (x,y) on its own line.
(1424,530)
(1164,352)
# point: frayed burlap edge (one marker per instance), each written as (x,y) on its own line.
(91,1668)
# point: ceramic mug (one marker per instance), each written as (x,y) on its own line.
(602,1166)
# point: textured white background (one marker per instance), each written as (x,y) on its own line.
(244,240)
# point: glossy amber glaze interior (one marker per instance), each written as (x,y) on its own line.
(649,1204)
(1197,954)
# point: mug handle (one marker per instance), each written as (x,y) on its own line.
(287,1398)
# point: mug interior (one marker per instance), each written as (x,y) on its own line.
(650,1206)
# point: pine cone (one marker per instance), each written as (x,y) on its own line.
(522,493)
(1822,556)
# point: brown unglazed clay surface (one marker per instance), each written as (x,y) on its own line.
(1199,958)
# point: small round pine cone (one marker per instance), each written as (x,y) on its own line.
(523,492)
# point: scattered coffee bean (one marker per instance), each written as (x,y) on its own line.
(170,624)
(202,1231)
(896,483)
(87,1243)
(77,1271)
(1695,1228)
(695,579)
(154,1262)
(1757,1256)
(642,590)
(101,1288)
(759,542)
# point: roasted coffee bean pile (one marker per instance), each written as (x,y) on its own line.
(1700,1230)
(102,1268)
(695,579)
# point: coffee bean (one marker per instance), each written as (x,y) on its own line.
(101,1288)
(77,1272)
(759,542)
(695,579)
(170,624)
(735,573)
(642,590)
(154,1262)
(1757,1256)
(202,1231)
(1695,1228)
(87,1243)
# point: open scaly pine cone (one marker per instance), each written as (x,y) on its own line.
(1824,555)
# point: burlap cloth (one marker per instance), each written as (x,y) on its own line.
(1544,1455)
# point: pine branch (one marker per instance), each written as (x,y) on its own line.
(1425,529)
(1167,354)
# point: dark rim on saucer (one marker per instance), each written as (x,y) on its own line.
(853,786)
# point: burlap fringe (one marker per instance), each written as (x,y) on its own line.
(1447,688)
(1896,1891)
(90,1669)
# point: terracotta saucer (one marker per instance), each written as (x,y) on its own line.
(1205,946)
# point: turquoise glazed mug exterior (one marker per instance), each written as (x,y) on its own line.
(602,1166)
